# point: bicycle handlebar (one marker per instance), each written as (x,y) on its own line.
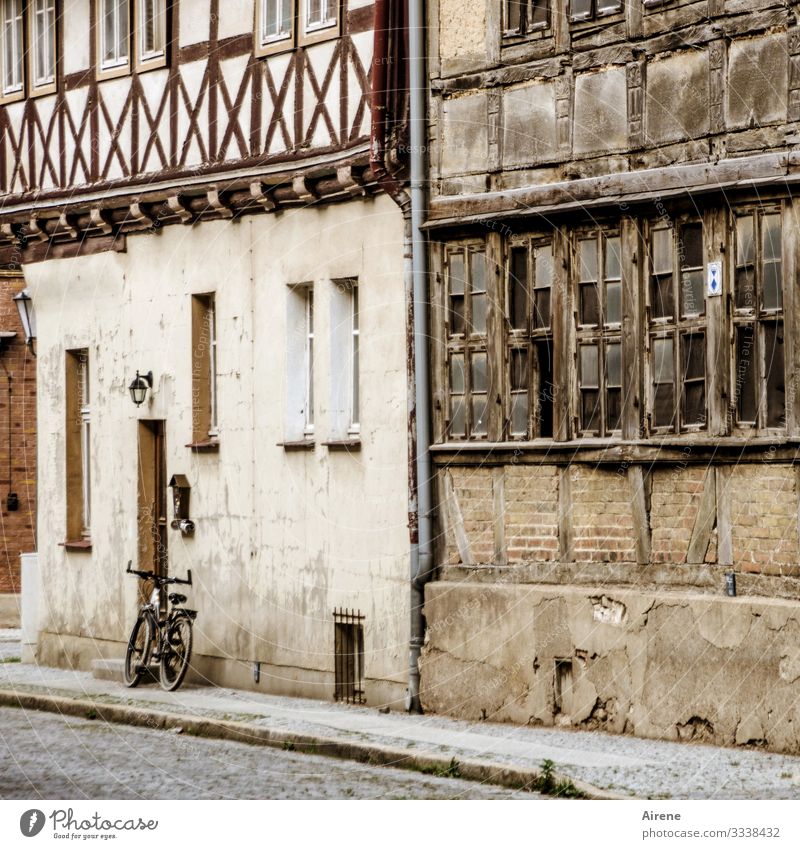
(160,579)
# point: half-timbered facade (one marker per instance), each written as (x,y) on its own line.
(615,353)
(187,188)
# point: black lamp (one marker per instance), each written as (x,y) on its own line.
(27,317)
(139,386)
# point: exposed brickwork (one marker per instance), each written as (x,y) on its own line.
(16,527)
(474,494)
(674,503)
(531,513)
(602,518)
(763,503)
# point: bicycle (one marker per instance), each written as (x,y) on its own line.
(165,640)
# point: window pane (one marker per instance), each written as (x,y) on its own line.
(771,252)
(745,247)
(663,361)
(692,295)
(590,306)
(580,8)
(457,384)
(773,297)
(477,271)
(662,251)
(774,374)
(519,414)
(614,364)
(587,250)
(745,287)
(694,355)
(478,304)
(542,309)
(456,276)
(613,303)
(613,259)
(590,410)
(539,13)
(479,422)
(518,289)
(479,374)
(514,14)
(590,367)
(545,391)
(613,409)
(607,6)
(519,370)
(694,402)
(109,41)
(663,405)
(457,320)
(772,237)
(691,246)
(123,29)
(458,418)
(745,389)
(543,269)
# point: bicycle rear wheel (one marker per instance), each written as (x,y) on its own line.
(176,653)
(140,644)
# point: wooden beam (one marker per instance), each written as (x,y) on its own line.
(639,482)
(566,536)
(704,521)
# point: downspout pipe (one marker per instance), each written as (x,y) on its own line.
(413,206)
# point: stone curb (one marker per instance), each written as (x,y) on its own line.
(487,772)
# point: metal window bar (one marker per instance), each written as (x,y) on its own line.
(349,656)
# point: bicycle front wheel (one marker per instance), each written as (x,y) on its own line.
(176,653)
(140,644)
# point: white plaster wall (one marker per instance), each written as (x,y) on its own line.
(282,537)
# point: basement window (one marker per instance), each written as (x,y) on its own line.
(348,628)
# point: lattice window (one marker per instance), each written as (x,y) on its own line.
(759,366)
(349,656)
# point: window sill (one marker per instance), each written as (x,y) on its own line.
(353,444)
(297,445)
(209,446)
(77,545)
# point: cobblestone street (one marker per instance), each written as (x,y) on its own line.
(51,757)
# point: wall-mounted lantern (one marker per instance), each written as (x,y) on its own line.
(179,484)
(27,317)
(139,386)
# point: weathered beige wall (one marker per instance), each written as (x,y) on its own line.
(282,537)
(674,665)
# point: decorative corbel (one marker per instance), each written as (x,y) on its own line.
(261,197)
(351,181)
(100,222)
(302,188)
(35,231)
(66,229)
(137,217)
(177,207)
(216,203)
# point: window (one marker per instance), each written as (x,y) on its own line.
(12,48)
(78,446)
(466,330)
(599,324)
(205,427)
(586,10)
(530,341)
(355,401)
(275,23)
(43,48)
(759,375)
(525,16)
(300,353)
(308,428)
(677,333)
(114,29)
(344,414)
(320,14)
(151,30)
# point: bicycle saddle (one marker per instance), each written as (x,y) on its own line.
(177,598)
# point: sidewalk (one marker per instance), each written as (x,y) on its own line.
(603,765)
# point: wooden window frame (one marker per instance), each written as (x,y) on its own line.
(282,45)
(758,317)
(78,447)
(467,344)
(205,406)
(526,31)
(142,64)
(601,334)
(51,87)
(114,71)
(14,95)
(678,328)
(596,14)
(530,337)
(316,35)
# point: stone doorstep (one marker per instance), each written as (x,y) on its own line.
(113,669)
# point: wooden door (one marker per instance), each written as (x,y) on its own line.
(153,502)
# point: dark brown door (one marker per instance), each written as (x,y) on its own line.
(152,498)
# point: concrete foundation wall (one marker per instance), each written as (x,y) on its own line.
(676,665)
(282,537)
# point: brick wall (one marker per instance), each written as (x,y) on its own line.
(674,503)
(764,516)
(601,517)
(470,510)
(19,398)
(531,513)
